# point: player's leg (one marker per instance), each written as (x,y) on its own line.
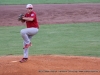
(25,54)
(25,51)
(29,33)
(25,36)
(26,33)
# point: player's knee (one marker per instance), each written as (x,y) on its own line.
(22,32)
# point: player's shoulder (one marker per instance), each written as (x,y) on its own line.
(33,13)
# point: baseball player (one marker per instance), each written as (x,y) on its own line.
(27,33)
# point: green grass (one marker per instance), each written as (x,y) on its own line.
(46,1)
(82,39)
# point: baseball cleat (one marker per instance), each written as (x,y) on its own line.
(27,45)
(23,60)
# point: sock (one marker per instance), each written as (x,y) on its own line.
(25,53)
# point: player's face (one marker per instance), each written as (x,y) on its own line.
(29,9)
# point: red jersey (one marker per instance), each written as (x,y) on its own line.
(33,23)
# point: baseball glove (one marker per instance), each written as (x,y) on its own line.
(20,17)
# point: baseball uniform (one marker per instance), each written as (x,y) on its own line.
(30,31)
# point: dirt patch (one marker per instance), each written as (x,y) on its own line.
(50,65)
(52,13)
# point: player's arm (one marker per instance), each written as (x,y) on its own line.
(28,18)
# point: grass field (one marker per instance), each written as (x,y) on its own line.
(82,39)
(46,1)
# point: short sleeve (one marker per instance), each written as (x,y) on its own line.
(33,15)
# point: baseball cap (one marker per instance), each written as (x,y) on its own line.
(29,6)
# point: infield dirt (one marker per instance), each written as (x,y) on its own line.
(52,13)
(51,64)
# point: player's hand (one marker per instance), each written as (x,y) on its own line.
(20,18)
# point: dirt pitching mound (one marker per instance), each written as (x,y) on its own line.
(50,65)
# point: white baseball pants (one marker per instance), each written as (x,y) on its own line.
(27,35)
